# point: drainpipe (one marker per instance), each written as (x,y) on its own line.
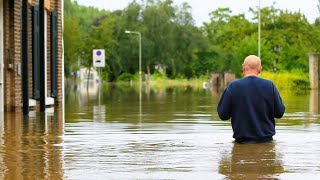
(42,56)
(24,57)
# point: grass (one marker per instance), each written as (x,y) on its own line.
(295,81)
(160,80)
(196,83)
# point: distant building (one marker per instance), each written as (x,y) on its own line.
(160,68)
(85,75)
(31,54)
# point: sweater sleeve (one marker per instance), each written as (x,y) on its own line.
(279,107)
(225,107)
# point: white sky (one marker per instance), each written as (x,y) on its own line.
(202,8)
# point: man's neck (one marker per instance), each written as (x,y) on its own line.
(250,74)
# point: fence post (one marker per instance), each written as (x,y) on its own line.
(314,71)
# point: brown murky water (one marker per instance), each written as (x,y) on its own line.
(173,133)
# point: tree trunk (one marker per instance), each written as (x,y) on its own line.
(88,79)
(148,74)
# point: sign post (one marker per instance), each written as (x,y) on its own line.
(98,56)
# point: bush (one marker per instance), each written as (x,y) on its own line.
(188,72)
(126,77)
(158,76)
(295,80)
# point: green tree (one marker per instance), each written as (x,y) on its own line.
(170,39)
(290,37)
(157,32)
(224,33)
(72,37)
(127,48)
(99,37)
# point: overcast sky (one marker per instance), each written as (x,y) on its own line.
(201,8)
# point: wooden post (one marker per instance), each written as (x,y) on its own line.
(215,81)
(314,71)
(314,101)
(228,77)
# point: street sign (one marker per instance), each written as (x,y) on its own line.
(98,58)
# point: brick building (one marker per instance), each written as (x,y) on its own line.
(31,54)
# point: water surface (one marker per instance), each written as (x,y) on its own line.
(172,133)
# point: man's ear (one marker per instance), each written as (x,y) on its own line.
(260,69)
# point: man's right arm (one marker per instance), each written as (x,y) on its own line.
(225,106)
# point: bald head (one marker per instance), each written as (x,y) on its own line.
(251,66)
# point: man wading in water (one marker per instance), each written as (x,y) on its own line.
(252,103)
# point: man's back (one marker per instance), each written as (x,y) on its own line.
(253,103)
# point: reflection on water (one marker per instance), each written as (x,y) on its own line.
(252,161)
(172,133)
(2,165)
(314,101)
(31,147)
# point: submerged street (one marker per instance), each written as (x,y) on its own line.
(176,134)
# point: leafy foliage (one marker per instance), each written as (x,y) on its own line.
(295,80)
(126,77)
(172,41)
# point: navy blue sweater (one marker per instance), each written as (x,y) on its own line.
(252,103)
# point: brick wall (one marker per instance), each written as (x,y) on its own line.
(30,51)
(57,4)
(12,82)
(12,52)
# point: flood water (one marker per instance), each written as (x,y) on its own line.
(172,133)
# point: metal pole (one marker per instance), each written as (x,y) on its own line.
(140,80)
(99,87)
(259,30)
(140,72)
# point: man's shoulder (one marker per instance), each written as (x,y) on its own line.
(257,78)
(265,80)
(252,79)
